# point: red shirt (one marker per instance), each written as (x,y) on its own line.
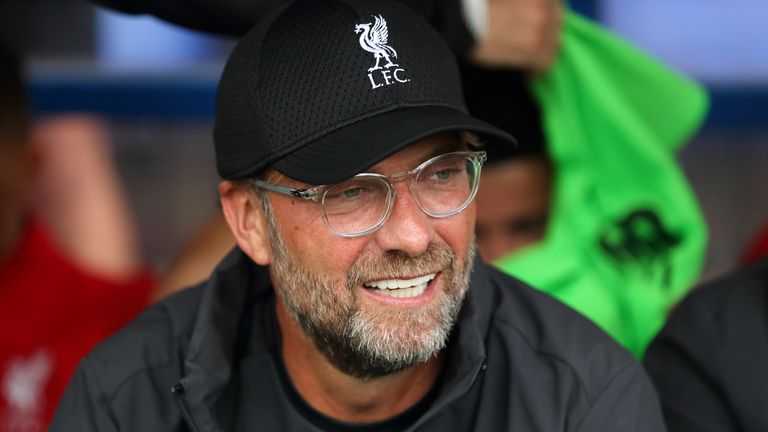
(52,313)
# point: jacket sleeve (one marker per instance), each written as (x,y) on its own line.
(627,404)
(223,17)
(236,17)
(83,407)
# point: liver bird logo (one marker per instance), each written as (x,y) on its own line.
(374,40)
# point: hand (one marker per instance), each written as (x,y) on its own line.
(521,34)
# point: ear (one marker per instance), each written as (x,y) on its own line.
(246,221)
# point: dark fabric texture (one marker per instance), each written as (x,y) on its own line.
(710,362)
(517,361)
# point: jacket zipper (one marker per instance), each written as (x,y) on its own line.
(180,395)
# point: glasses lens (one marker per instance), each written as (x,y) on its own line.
(447,184)
(356,205)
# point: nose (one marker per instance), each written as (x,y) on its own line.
(408,228)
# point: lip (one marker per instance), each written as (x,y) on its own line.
(429,292)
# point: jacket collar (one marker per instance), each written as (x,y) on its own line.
(467,352)
(208,364)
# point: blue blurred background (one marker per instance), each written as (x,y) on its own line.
(156,83)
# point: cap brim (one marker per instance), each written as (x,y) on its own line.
(356,147)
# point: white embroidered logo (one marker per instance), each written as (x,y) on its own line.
(373,38)
(23,389)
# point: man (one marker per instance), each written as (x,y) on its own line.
(566,210)
(354,301)
(709,361)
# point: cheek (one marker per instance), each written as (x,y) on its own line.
(314,245)
(458,231)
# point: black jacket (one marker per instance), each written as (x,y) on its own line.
(710,362)
(518,361)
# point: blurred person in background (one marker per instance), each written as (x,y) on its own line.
(710,362)
(592,208)
(70,271)
(515,194)
(597,211)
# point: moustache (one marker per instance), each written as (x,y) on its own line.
(398,264)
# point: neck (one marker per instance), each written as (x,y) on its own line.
(344,397)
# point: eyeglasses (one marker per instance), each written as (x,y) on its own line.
(443,186)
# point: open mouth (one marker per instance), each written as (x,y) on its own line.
(401,288)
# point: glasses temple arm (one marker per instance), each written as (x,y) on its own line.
(308,194)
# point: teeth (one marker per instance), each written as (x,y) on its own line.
(400,283)
(402,288)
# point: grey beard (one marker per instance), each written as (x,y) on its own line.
(354,340)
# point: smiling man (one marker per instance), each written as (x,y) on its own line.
(354,301)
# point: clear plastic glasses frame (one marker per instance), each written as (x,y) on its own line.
(328,195)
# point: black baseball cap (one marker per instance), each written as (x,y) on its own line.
(321,90)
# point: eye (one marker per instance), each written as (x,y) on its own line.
(350,193)
(443,174)
(345,194)
(350,197)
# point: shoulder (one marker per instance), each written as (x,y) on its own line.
(728,314)
(153,343)
(707,360)
(547,365)
(125,382)
(738,297)
(542,334)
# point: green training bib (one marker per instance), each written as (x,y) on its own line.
(626,238)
